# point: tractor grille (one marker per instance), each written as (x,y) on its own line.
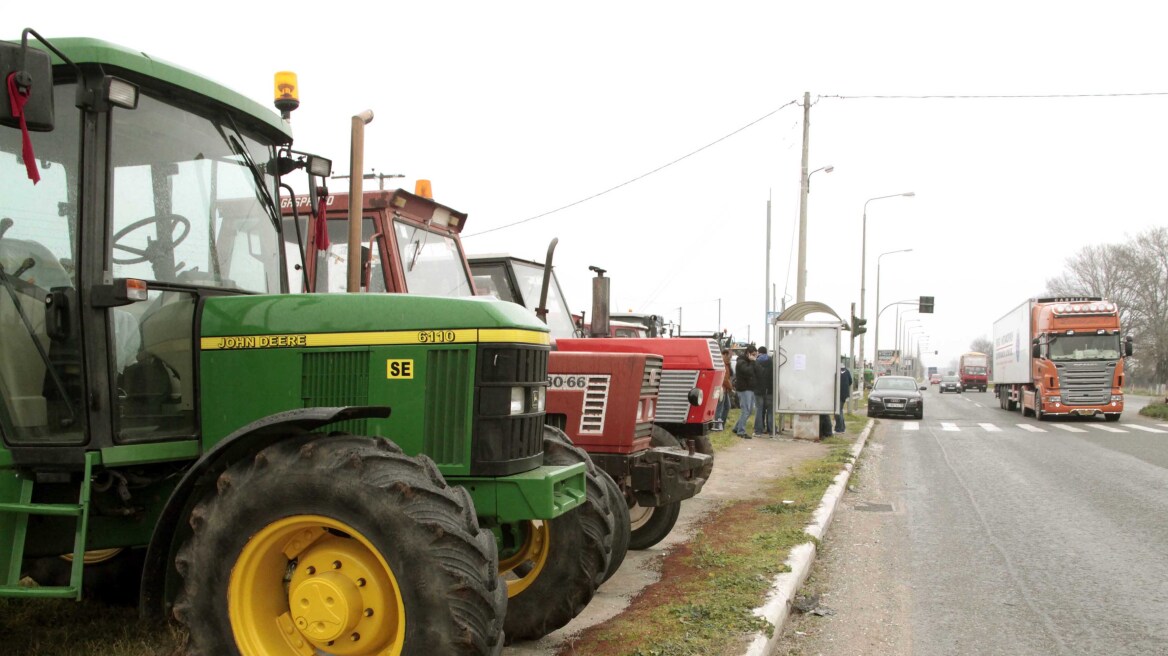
(715,353)
(651,381)
(673,403)
(1086,383)
(507,443)
(595,404)
(444,427)
(336,379)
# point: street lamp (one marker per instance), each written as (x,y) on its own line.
(877,340)
(805,188)
(864,255)
(907,332)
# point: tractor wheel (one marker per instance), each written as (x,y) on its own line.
(553,567)
(621,524)
(343,545)
(702,444)
(651,524)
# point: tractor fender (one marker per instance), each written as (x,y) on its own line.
(159,576)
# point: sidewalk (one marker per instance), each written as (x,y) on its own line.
(738,471)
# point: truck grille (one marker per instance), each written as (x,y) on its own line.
(673,402)
(1086,383)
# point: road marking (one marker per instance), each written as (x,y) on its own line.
(978,405)
(991,428)
(1069,429)
(1162,425)
(1109,429)
(912,425)
(949,426)
(1031,427)
(1146,428)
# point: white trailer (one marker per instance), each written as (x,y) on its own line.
(1012,335)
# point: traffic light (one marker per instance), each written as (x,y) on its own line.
(858,326)
(926,305)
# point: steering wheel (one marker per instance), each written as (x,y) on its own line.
(149,252)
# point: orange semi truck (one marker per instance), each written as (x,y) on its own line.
(1061,357)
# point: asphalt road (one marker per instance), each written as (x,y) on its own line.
(1010,536)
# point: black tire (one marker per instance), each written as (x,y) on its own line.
(431,561)
(621,527)
(1111,416)
(651,525)
(702,444)
(1038,409)
(578,552)
(920,413)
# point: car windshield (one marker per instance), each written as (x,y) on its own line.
(895,384)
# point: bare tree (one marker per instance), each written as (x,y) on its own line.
(982,345)
(1135,276)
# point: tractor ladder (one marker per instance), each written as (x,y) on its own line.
(10,585)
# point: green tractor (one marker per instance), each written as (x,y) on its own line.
(283,473)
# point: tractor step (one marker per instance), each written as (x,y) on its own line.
(23,509)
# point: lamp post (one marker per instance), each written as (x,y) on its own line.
(864,255)
(804,189)
(877,340)
(906,333)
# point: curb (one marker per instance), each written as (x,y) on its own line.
(783,589)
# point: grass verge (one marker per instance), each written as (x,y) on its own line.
(703,603)
(1155,410)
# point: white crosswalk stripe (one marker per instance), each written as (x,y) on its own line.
(1148,429)
(1109,429)
(1069,429)
(990,428)
(912,425)
(949,426)
(1162,425)
(1031,427)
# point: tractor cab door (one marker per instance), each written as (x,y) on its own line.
(42,392)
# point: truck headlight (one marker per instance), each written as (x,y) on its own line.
(1116,397)
(1054,399)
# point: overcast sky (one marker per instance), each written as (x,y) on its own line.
(513,109)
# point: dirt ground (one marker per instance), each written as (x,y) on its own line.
(739,472)
(856,578)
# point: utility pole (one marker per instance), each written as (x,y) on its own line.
(719,314)
(852,363)
(801,291)
(766,290)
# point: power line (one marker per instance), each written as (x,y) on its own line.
(1000,96)
(639,177)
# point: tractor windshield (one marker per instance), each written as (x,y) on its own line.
(432,262)
(529,277)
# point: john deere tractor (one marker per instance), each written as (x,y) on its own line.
(285,474)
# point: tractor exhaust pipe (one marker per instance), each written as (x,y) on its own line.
(600,303)
(356,200)
(542,310)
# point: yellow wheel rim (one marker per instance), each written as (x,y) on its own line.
(533,553)
(308,584)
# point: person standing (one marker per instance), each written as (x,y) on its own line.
(745,378)
(764,420)
(723,411)
(844,393)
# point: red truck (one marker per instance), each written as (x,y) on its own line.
(971,369)
(1061,356)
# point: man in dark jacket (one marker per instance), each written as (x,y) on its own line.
(844,393)
(764,421)
(745,378)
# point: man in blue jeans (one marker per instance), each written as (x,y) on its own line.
(845,392)
(723,411)
(745,379)
(764,421)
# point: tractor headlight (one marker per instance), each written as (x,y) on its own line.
(517,405)
(540,398)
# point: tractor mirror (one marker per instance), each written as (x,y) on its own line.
(34,75)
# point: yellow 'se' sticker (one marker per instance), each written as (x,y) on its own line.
(399,368)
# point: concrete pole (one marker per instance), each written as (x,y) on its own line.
(766,291)
(801,290)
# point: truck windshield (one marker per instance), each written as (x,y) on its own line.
(432,262)
(975,371)
(1084,347)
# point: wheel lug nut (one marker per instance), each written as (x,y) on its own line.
(336,564)
(360,583)
(355,637)
(368,612)
(311,570)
